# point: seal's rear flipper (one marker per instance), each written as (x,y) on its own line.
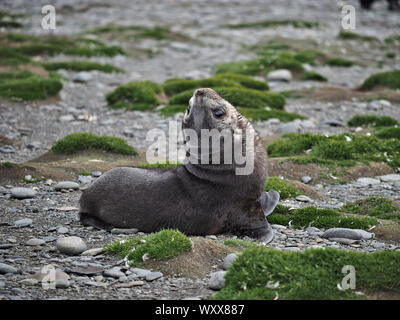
(267,236)
(269,200)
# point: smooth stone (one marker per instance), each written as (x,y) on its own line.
(66,185)
(87,271)
(62,230)
(390,178)
(306,179)
(114,273)
(71,245)
(62,284)
(49,239)
(153,276)
(344,240)
(368,181)
(141,273)
(82,77)
(29,282)
(22,193)
(124,231)
(133,283)
(23,222)
(312,231)
(353,234)
(303,198)
(280,75)
(92,252)
(96,174)
(35,242)
(5,268)
(228,260)
(85,179)
(217,280)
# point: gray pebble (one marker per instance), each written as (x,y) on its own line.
(23,193)
(114,273)
(23,222)
(228,260)
(124,231)
(5,268)
(71,245)
(66,185)
(217,280)
(306,179)
(35,242)
(153,276)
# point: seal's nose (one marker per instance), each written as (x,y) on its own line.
(200,92)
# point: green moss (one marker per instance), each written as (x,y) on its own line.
(8,164)
(339,62)
(80,66)
(239,243)
(85,173)
(310,275)
(9,57)
(170,110)
(140,95)
(392,39)
(388,133)
(165,165)
(285,189)
(162,245)
(390,79)
(10,21)
(319,218)
(180,85)
(27,86)
(313,76)
(238,97)
(79,141)
(390,55)
(263,115)
(371,120)
(340,148)
(378,207)
(276,23)
(245,81)
(347,35)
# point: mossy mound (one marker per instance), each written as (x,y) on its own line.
(27,86)
(80,66)
(239,243)
(389,79)
(79,141)
(313,76)
(238,97)
(284,188)
(339,62)
(348,35)
(162,245)
(165,165)
(139,95)
(263,115)
(319,218)
(378,207)
(245,81)
(10,20)
(340,149)
(371,120)
(388,133)
(275,23)
(316,274)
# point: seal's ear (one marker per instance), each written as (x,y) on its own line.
(269,200)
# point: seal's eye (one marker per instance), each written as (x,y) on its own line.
(218,112)
(188,109)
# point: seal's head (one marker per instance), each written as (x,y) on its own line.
(207,110)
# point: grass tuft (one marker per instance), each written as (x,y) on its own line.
(390,79)
(284,188)
(371,120)
(378,207)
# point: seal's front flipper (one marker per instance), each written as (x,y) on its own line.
(269,200)
(267,236)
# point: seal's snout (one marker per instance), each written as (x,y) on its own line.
(200,93)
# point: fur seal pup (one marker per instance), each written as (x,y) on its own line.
(195,198)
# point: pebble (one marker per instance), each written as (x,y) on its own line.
(153,276)
(96,174)
(312,231)
(130,284)
(303,198)
(71,245)
(66,185)
(368,181)
(353,234)
(62,230)
(228,260)
(23,222)
(82,77)
(124,231)
(141,273)
(62,284)
(5,268)
(35,242)
(85,179)
(114,273)
(306,179)
(280,75)
(217,280)
(29,282)
(92,252)
(22,193)
(87,270)
(390,178)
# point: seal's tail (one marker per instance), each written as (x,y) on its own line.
(269,201)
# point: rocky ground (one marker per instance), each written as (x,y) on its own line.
(34,128)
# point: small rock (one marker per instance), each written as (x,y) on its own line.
(62,230)
(130,284)
(228,260)
(306,179)
(85,179)
(124,231)
(368,181)
(35,242)
(217,280)
(153,276)
(5,268)
(62,284)
(280,75)
(353,234)
(23,193)
(114,273)
(303,198)
(67,118)
(71,245)
(29,282)
(312,231)
(23,222)
(141,273)
(87,271)
(390,178)
(92,252)
(82,77)
(66,185)
(28,177)
(96,174)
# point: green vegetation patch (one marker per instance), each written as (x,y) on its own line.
(316,274)
(263,115)
(27,86)
(319,218)
(160,165)
(283,187)
(340,149)
(348,35)
(389,79)
(388,133)
(139,95)
(162,245)
(371,120)
(313,76)
(392,39)
(9,20)
(8,164)
(238,97)
(239,243)
(378,207)
(79,141)
(80,66)
(276,23)
(340,62)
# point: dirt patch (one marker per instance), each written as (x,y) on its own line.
(305,189)
(383,295)
(362,170)
(389,233)
(197,263)
(294,171)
